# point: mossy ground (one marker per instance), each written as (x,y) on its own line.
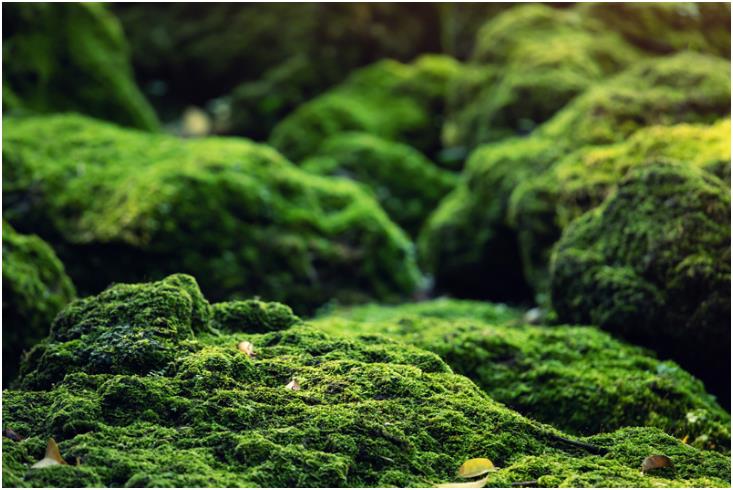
(195,411)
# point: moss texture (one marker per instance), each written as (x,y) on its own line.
(578,379)
(70,57)
(470,236)
(192,410)
(35,288)
(396,101)
(652,264)
(406,184)
(121,205)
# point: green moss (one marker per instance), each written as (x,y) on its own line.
(71,57)
(120,205)
(652,264)
(577,379)
(406,184)
(369,412)
(389,99)
(35,288)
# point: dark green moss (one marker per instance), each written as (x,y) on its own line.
(35,288)
(652,264)
(70,57)
(369,412)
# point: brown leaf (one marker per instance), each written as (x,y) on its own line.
(52,457)
(471,484)
(11,434)
(475,467)
(247,348)
(293,385)
(655,462)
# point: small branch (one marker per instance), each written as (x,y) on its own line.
(582,445)
(528,483)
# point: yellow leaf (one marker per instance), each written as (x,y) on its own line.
(655,462)
(470,484)
(52,457)
(475,467)
(247,348)
(685,439)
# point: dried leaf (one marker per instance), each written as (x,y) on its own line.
(470,484)
(247,348)
(293,385)
(655,462)
(475,467)
(11,434)
(52,457)
(685,439)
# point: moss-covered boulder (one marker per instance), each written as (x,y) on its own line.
(35,288)
(406,183)
(393,100)
(70,57)
(121,205)
(578,379)
(652,264)
(188,408)
(470,238)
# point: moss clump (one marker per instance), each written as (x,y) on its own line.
(577,379)
(652,264)
(406,184)
(684,88)
(396,101)
(71,57)
(35,288)
(368,412)
(120,205)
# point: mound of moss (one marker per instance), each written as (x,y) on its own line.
(70,57)
(652,264)
(136,387)
(470,237)
(35,288)
(122,205)
(406,183)
(578,379)
(393,100)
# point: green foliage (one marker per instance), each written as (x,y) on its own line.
(121,205)
(577,379)
(652,264)
(369,412)
(35,288)
(70,57)
(406,184)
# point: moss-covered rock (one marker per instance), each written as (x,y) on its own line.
(35,288)
(367,413)
(396,101)
(683,88)
(70,57)
(652,264)
(121,205)
(406,183)
(578,379)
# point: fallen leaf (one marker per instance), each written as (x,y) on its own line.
(475,467)
(685,439)
(52,457)
(12,435)
(471,484)
(247,348)
(655,462)
(293,385)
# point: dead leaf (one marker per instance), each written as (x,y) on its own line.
(685,439)
(471,484)
(52,457)
(293,385)
(655,462)
(12,435)
(247,348)
(475,467)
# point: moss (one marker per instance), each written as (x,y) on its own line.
(396,101)
(71,57)
(578,379)
(35,288)
(652,264)
(369,413)
(121,205)
(406,184)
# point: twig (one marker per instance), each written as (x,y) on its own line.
(528,483)
(582,445)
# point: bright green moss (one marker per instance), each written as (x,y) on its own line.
(652,264)
(35,288)
(71,57)
(121,205)
(406,184)
(577,379)
(389,99)
(369,412)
